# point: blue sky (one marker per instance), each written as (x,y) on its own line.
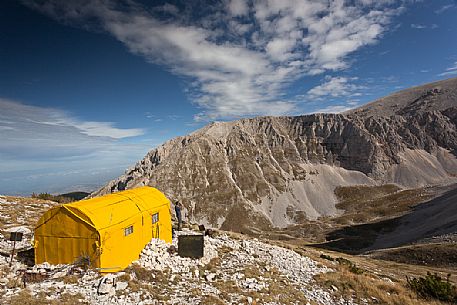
(88,87)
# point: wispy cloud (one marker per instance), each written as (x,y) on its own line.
(423,26)
(418,26)
(450,71)
(445,8)
(23,117)
(45,141)
(107,129)
(238,56)
(335,109)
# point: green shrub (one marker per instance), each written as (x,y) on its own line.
(327,257)
(351,266)
(342,261)
(354,269)
(433,286)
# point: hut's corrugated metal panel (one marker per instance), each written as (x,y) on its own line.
(98,228)
(60,236)
(112,209)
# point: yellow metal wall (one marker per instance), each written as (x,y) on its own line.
(164,223)
(118,250)
(96,229)
(62,238)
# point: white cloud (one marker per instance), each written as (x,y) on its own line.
(107,129)
(42,143)
(444,8)
(18,114)
(423,26)
(335,87)
(453,67)
(335,109)
(40,132)
(450,71)
(169,9)
(418,26)
(239,56)
(279,49)
(238,7)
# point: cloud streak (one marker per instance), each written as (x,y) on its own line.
(38,142)
(25,117)
(444,8)
(423,26)
(238,56)
(450,71)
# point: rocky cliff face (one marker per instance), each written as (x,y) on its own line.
(276,171)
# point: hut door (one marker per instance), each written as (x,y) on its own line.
(155,225)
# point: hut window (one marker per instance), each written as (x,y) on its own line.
(128,230)
(155,218)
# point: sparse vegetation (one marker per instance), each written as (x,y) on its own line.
(368,287)
(14,283)
(212,266)
(70,279)
(22,211)
(71,299)
(378,202)
(343,261)
(24,297)
(368,211)
(142,274)
(83,262)
(211,300)
(350,265)
(124,277)
(442,255)
(327,257)
(433,286)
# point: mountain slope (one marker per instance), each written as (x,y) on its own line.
(275,171)
(434,218)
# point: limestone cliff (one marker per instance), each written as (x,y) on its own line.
(274,171)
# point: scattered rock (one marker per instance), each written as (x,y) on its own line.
(210,277)
(176,278)
(107,285)
(121,285)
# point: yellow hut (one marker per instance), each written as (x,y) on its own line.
(110,231)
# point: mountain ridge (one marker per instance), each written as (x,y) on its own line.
(273,171)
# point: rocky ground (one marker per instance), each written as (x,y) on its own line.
(232,271)
(19,214)
(235,269)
